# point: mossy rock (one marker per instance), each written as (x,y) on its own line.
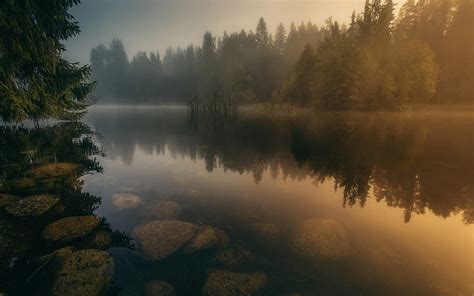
(204,239)
(55,169)
(20,184)
(159,288)
(320,239)
(165,210)
(7,199)
(160,239)
(70,228)
(85,272)
(233,257)
(35,205)
(101,240)
(126,200)
(226,283)
(222,237)
(57,257)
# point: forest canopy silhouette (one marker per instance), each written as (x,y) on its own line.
(377,61)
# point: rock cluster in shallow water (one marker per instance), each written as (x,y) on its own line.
(70,228)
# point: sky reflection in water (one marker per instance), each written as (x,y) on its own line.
(400,184)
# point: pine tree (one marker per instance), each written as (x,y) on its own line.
(261,34)
(35,81)
(280,39)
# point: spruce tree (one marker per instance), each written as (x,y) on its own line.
(280,39)
(261,34)
(36,82)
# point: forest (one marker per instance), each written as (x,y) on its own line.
(376,61)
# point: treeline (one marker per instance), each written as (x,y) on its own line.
(246,66)
(425,55)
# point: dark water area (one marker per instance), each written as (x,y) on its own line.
(321,204)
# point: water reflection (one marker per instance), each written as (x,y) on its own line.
(44,213)
(416,162)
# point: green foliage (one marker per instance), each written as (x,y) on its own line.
(377,62)
(35,81)
(366,67)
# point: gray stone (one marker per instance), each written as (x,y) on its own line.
(70,228)
(165,210)
(225,283)
(32,206)
(159,288)
(204,239)
(233,257)
(160,239)
(85,272)
(126,200)
(320,238)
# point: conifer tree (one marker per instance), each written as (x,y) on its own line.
(36,82)
(261,34)
(280,39)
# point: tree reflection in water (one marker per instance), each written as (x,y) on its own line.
(48,161)
(416,162)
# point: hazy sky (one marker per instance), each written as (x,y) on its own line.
(156,24)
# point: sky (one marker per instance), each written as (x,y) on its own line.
(152,25)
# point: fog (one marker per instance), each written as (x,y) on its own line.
(152,25)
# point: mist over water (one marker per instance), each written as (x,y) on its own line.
(236,147)
(400,184)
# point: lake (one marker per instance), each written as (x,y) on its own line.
(302,204)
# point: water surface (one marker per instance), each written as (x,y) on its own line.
(400,185)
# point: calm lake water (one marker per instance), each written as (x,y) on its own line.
(397,191)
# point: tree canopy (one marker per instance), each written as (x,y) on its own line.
(36,82)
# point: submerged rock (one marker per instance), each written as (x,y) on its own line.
(7,199)
(126,200)
(222,237)
(70,228)
(165,210)
(233,257)
(59,254)
(32,206)
(160,239)
(20,184)
(204,239)
(159,288)
(101,240)
(225,283)
(320,238)
(85,272)
(55,169)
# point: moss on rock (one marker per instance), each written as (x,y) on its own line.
(70,228)
(32,206)
(225,283)
(85,272)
